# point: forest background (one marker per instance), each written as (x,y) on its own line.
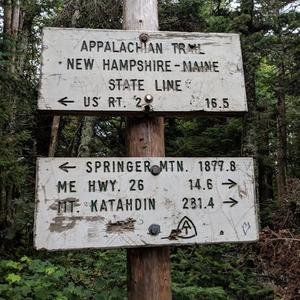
(270,132)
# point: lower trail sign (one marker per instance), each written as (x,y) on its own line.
(133,202)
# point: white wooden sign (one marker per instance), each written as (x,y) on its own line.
(136,202)
(114,71)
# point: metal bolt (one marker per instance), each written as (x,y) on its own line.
(147,108)
(148,98)
(154,229)
(155,170)
(144,37)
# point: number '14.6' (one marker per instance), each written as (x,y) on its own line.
(197,185)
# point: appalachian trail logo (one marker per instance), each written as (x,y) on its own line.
(187,228)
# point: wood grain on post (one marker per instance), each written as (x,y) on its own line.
(54,136)
(149,274)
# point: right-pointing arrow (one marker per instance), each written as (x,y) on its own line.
(232,201)
(230,183)
(64,101)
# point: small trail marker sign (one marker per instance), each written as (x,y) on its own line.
(136,202)
(114,71)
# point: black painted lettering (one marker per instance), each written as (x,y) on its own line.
(102,185)
(106,166)
(114,101)
(180,166)
(90,101)
(138,166)
(71,205)
(147,166)
(106,65)
(113,83)
(99,45)
(84,46)
(129,166)
(164,165)
(70,63)
(103,206)
(89,167)
(123,47)
(92,45)
(113,183)
(130,47)
(88,63)
(62,186)
(128,203)
(72,186)
(171,162)
(92,186)
(215,66)
(97,166)
(168,85)
(120,205)
(152,204)
(94,205)
(120,165)
(123,65)
(138,204)
(175,47)
(181,48)
(111,102)
(107,47)
(66,186)
(111,203)
(80,63)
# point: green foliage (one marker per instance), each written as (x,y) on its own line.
(198,136)
(94,277)
(215,272)
(195,293)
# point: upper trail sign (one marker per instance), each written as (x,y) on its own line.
(132,202)
(114,71)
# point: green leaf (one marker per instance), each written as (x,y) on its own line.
(12,278)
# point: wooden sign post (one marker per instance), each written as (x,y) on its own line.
(149,271)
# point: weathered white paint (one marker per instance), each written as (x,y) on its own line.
(231,217)
(72,86)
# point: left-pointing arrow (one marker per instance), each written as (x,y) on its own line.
(65,167)
(64,101)
(232,201)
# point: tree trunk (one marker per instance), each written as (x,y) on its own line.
(7,16)
(281,135)
(87,132)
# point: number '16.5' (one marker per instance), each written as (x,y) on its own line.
(214,103)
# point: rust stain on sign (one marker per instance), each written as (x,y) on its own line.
(174,235)
(120,226)
(243,193)
(61,224)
